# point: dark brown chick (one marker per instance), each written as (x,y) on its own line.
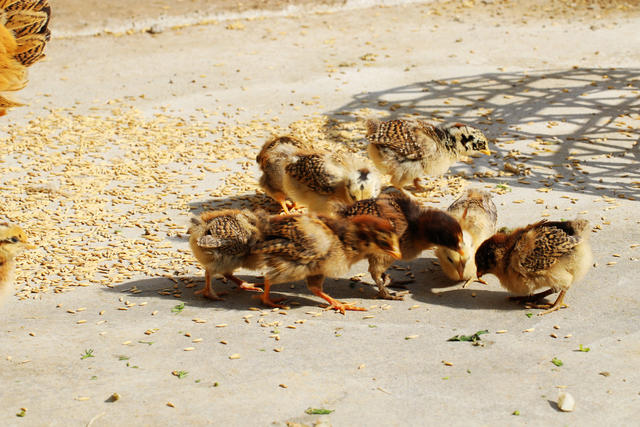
(407,150)
(274,156)
(222,241)
(313,247)
(418,229)
(544,254)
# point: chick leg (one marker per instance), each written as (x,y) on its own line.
(242,284)
(266,299)
(552,307)
(314,283)
(282,200)
(377,268)
(418,186)
(208,291)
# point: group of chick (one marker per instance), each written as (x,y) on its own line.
(350,218)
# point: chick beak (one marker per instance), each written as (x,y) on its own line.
(461,252)
(486,151)
(29,246)
(395,250)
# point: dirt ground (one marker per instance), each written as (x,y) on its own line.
(145,113)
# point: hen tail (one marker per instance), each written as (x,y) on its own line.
(24,33)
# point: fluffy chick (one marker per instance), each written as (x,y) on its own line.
(418,229)
(318,180)
(313,247)
(13,241)
(24,33)
(544,254)
(274,156)
(477,215)
(407,150)
(222,241)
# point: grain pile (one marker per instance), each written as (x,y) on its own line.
(106,196)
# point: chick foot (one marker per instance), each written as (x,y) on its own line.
(209,293)
(383,292)
(266,298)
(244,285)
(335,304)
(532,298)
(552,307)
(477,279)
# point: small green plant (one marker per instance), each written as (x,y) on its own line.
(87,354)
(178,308)
(557,361)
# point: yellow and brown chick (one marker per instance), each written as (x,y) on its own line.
(24,33)
(406,150)
(274,156)
(317,180)
(477,215)
(222,242)
(545,254)
(13,241)
(418,228)
(313,247)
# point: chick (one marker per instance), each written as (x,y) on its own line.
(407,150)
(24,33)
(222,241)
(318,180)
(418,229)
(544,254)
(275,154)
(314,247)
(477,215)
(13,241)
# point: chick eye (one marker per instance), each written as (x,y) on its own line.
(14,239)
(450,260)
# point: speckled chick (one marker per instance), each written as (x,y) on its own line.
(274,156)
(313,247)
(222,241)
(545,254)
(477,215)
(407,150)
(13,241)
(418,228)
(24,34)
(318,180)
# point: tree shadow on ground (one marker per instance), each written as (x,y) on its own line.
(577,126)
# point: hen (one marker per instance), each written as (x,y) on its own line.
(24,33)
(407,150)
(314,247)
(477,215)
(544,254)
(418,229)
(222,242)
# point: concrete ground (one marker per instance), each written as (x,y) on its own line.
(127,135)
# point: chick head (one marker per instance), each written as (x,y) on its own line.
(469,139)
(13,241)
(363,183)
(453,263)
(488,254)
(373,232)
(441,229)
